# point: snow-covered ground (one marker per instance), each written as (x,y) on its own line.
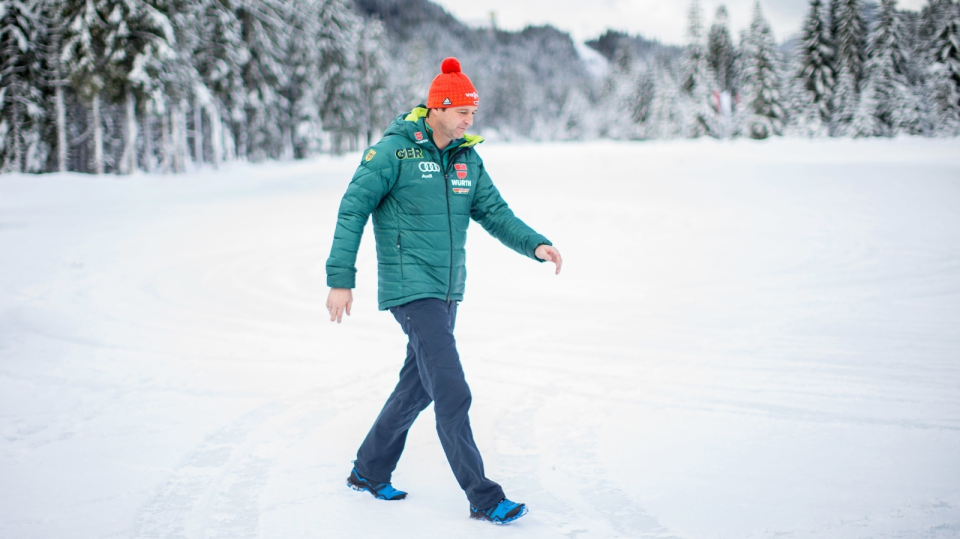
(748,340)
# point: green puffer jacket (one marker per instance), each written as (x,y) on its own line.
(422,201)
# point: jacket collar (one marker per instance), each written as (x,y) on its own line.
(415,120)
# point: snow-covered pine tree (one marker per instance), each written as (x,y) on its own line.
(849,38)
(698,116)
(814,74)
(721,55)
(339,95)
(173,86)
(109,48)
(844,106)
(414,81)
(577,119)
(643,96)
(721,51)
(833,7)
(53,78)
(218,58)
(694,55)
(264,74)
(943,81)
(910,43)
(619,94)
(20,101)
(144,40)
(182,84)
(300,117)
(894,102)
(863,122)
(763,114)
(931,20)
(636,91)
(921,38)
(85,53)
(664,119)
(376,106)
(512,93)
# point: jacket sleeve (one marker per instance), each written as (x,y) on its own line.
(491,211)
(370,184)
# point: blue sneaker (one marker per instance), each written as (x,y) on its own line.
(503,512)
(380,491)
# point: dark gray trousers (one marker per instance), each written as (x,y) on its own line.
(431,372)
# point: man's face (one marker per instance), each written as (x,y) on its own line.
(453,122)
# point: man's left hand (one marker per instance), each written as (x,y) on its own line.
(550,254)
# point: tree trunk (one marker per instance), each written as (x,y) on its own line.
(176,125)
(61,128)
(244,137)
(183,147)
(165,142)
(97,136)
(216,134)
(287,143)
(197,131)
(230,138)
(53,54)
(17,161)
(128,162)
(148,141)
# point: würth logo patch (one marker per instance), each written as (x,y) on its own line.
(419,136)
(461,185)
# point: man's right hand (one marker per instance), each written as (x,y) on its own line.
(338,302)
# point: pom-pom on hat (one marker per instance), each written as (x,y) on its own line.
(451,88)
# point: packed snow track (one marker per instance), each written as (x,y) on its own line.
(748,340)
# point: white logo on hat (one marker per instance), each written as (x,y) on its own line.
(446,101)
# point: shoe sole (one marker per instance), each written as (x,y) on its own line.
(480,516)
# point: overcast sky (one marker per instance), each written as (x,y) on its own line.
(661,19)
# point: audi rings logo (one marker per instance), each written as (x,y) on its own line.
(429,167)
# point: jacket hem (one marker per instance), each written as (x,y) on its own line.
(407,299)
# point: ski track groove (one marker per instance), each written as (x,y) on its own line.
(215,492)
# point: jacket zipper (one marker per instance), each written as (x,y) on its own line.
(446,192)
(450,232)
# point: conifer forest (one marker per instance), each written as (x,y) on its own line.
(116,86)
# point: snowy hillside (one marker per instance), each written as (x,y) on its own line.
(748,340)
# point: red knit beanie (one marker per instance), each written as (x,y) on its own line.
(451,88)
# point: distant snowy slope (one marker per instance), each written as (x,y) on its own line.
(525,77)
(747,340)
(597,65)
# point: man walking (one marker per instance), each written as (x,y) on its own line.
(423,182)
